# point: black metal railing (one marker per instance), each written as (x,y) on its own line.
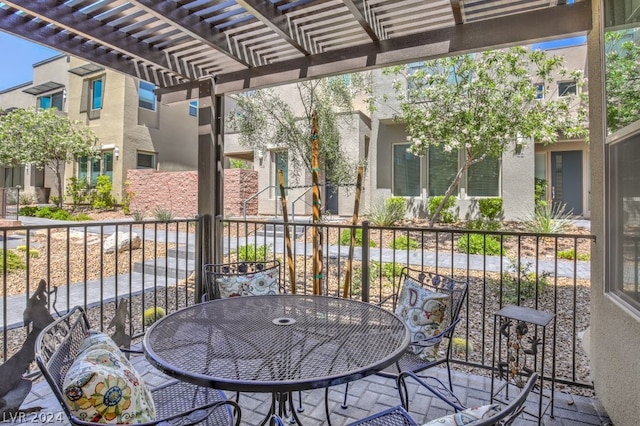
(9,203)
(549,272)
(543,271)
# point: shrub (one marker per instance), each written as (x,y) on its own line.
(528,285)
(76,190)
(59,214)
(570,254)
(54,199)
(26,199)
(460,345)
(403,243)
(345,238)
(80,217)
(151,315)
(391,271)
(126,200)
(138,216)
(102,199)
(388,212)
(14,262)
(549,220)
(490,208)
(163,214)
(540,192)
(480,244)
(238,164)
(28,211)
(32,252)
(447,214)
(251,253)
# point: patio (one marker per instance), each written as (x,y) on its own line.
(366,396)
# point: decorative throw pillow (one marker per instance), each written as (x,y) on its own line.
(466,417)
(101,385)
(253,284)
(423,311)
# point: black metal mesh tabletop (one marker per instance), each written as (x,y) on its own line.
(276,343)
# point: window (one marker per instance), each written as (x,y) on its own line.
(281,162)
(193,108)
(443,167)
(146,96)
(90,168)
(96,94)
(146,160)
(14,176)
(406,172)
(623,205)
(483,178)
(54,100)
(567,88)
(540,91)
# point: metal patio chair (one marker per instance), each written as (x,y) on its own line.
(492,414)
(241,279)
(451,294)
(176,403)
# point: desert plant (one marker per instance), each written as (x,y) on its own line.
(345,238)
(151,315)
(251,253)
(520,281)
(447,214)
(138,216)
(570,254)
(54,199)
(549,220)
(164,215)
(387,212)
(14,262)
(461,346)
(102,198)
(126,200)
(27,198)
(32,252)
(480,244)
(404,243)
(238,164)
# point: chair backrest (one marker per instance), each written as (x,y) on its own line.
(57,347)
(509,412)
(455,288)
(241,278)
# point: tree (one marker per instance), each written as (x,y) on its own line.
(622,55)
(265,121)
(482,104)
(44,138)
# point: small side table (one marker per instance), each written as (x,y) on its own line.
(520,352)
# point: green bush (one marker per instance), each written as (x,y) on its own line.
(76,190)
(251,253)
(164,215)
(151,315)
(345,238)
(391,271)
(32,252)
(28,211)
(80,217)
(60,214)
(403,243)
(14,262)
(102,199)
(480,244)
(528,285)
(540,193)
(570,254)
(447,214)
(490,208)
(387,213)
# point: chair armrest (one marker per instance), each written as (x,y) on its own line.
(199,414)
(433,385)
(430,341)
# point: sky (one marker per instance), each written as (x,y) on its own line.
(18,56)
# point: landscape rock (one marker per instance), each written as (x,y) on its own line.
(126,241)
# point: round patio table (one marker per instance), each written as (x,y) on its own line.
(276,343)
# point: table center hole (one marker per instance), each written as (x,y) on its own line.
(283,321)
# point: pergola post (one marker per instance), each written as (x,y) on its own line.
(210,176)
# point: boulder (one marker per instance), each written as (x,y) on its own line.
(126,241)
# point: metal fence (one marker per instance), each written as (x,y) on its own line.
(9,203)
(546,272)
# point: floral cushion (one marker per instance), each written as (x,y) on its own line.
(467,416)
(423,311)
(253,284)
(101,385)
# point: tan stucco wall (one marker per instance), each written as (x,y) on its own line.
(615,330)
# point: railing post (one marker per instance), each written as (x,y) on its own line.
(365,261)
(203,251)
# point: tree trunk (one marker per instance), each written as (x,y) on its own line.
(56,170)
(447,194)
